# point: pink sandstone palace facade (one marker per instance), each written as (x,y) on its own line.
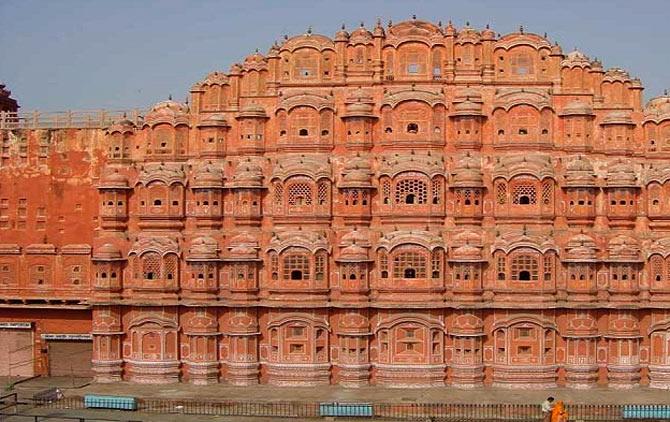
(411,205)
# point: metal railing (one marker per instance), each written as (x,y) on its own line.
(80,119)
(390,411)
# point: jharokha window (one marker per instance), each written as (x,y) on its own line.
(410,262)
(525,265)
(412,189)
(298,264)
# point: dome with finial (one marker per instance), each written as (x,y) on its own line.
(488,34)
(203,248)
(171,112)
(623,248)
(359,103)
(576,59)
(255,61)
(114,180)
(248,174)
(107,252)
(273,51)
(581,248)
(124,125)
(468,173)
(379,29)
(342,35)
(618,117)
(360,36)
(354,253)
(621,174)
(556,50)
(579,173)
(243,246)
(467,253)
(616,74)
(657,109)
(356,174)
(252,111)
(576,108)
(208,176)
(213,120)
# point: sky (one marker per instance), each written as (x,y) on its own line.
(122,54)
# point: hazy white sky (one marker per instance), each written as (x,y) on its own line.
(83,54)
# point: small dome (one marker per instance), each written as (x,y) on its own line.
(107,252)
(576,59)
(213,120)
(203,248)
(208,176)
(355,236)
(621,174)
(356,174)
(244,246)
(581,248)
(114,179)
(467,252)
(624,249)
(467,108)
(619,117)
(488,33)
(171,112)
(360,36)
(342,34)
(468,173)
(579,173)
(251,111)
(248,174)
(577,108)
(354,253)
(556,50)
(657,109)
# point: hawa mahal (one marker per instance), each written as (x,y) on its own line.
(407,205)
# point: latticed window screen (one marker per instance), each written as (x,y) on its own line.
(437,191)
(547,191)
(501,267)
(548,263)
(501,193)
(323,192)
(170,266)
(386,190)
(411,191)
(383,264)
(656,264)
(279,193)
(151,265)
(296,266)
(525,267)
(274,265)
(299,194)
(305,65)
(77,273)
(524,194)
(406,263)
(436,264)
(320,266)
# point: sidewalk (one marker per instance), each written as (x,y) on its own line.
(265,393)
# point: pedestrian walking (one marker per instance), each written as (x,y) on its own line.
(547,407)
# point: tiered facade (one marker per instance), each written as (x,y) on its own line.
(412,206)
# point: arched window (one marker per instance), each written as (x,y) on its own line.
(303,132)
(383,264)
(656,266)
(411,191)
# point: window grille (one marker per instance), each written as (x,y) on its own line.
(411,191)
(548,263)
(547,191)
(383,264)
(279,193)
(501,267)
(323,193)
(170,266)
(320,266)
(524,194)
(524,267)
(409,261)
(501,193)
(436,264)
(437,191)
(151,266)
(296,267)
(656,264)
(386,190)
(299,194)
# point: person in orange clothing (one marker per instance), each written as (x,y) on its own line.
(558,413)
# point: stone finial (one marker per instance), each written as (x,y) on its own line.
(309,30)
(362,25)
(521,29)
(413,17)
